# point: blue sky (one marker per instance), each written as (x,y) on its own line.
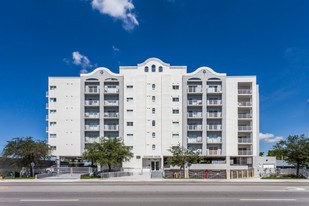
(269,39)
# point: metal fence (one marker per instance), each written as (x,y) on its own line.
(115,174)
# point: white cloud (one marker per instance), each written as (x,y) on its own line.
(118,9)
(115,49)
(82,61)
(269,138)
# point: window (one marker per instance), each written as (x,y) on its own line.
(146,69)
(52,111)
(175,87)
(130,124)
(153,98)
(130,99)
(52,136)
(153,86)
(129,86)
(176,122)
(53,100)
(153,68)
(138,157)
(175,111)
(175,135)
(153,123)
(52,123)
(175,99)
(153,135)
(130,135)
(153,147)
(153,110)
(160,69)
(129,110)
(53,147)
(53,87)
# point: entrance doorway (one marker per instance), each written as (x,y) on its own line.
(155,165)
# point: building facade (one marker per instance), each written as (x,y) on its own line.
(154,106)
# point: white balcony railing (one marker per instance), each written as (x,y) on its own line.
(112,90)
(194,139)
(244,140)
(195,115)
(195,102)
(214,102)
(92,90)
(214,90)
(214,127)
(214,114)
(245,152)
(92,127)
(244,104)
(111,114)
(194,89)
(111,127)
(214,140)
(194,127)
(111,102)
(92,102)
(92,115)
(244,91)
(246,128)
(245,116)
(214,152)
(92,139)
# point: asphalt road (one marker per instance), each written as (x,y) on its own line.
(153,194)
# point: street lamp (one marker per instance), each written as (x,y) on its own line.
(32,166)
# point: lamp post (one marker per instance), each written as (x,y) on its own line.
(32,168)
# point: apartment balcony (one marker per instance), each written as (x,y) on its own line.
(111,103)
(244,91)
(111,127)
(194,149)
(111,115)
(195,127)
(46,129)
(244,104)
(92,103)
(214,115)
(195,115)
(213,152)
(46,94)
(214,127)
(244,140)
(214,102)
(92,127)
(217,140)
(245,128)
(46,117)
(113,90)
(245,116)
(195,102)
(195,90)
(245,152)
(92,90)
(194,140)
(47,106)
(92,115)
(214,90)
(92,139)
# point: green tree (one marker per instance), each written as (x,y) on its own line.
(108,152)
(25,150)
(295,150)
(181,156)
(261,154)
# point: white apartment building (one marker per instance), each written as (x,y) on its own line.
(153,106)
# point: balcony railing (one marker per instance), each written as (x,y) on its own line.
(111,103)
(47,106)
(92,139)
(195,115)
(92,90)
(92,127)
(111,127)
(214,90)
(214,127)
(195,102)
(194,139)
(46,129)
(245,152)
(111,90)
(92,115)
(214,102)
(245,128)
(111,114)
(46,94)
(194,89)
(245,116)
(193,149)
(245,140)
(92,102)
(214,152)
(214,140)
(214,114)
(194,127)
(244,91)
(245,104)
